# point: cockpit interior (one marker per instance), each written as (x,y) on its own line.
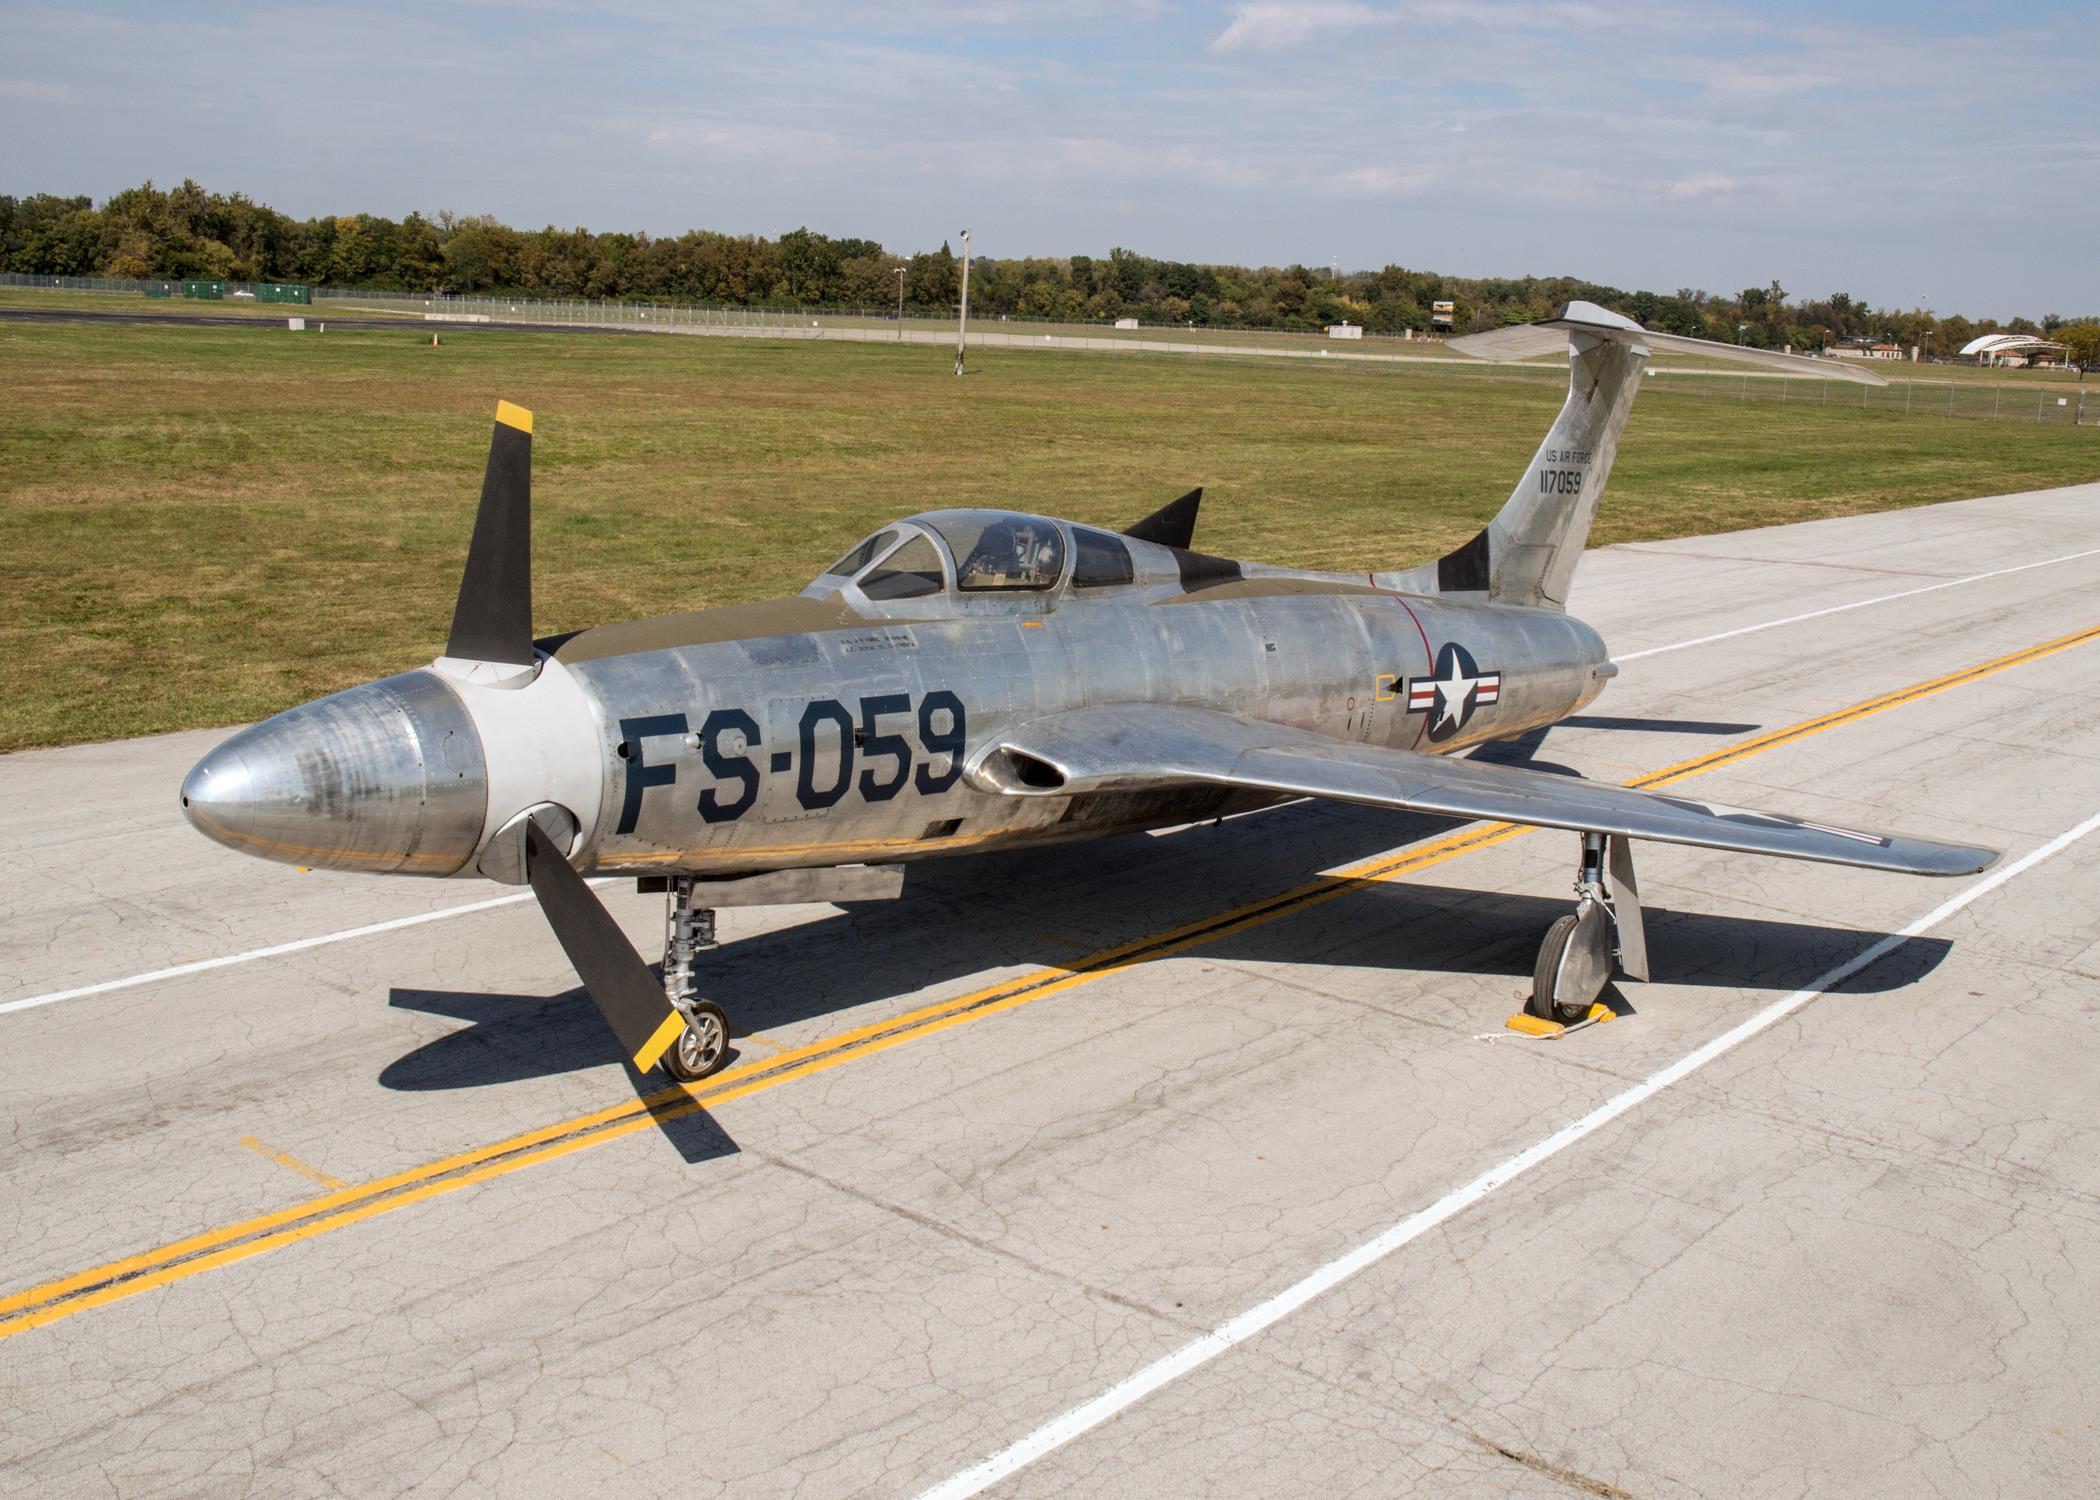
(980,552)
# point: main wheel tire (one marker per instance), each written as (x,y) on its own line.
(1547,970)
(702,1047)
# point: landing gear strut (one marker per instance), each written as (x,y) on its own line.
(689,930)
(1576,958)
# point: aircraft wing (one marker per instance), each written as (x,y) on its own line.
(1142,746)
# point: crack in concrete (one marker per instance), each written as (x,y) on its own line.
(1574,1479)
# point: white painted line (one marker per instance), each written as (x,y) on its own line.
(1838,609)
(33,1001)
(1127,1393)
(275,950)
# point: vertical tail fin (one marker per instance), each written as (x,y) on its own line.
(1535,540)
(1527,554)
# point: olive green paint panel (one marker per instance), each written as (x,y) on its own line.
(707,627)
(1262,587)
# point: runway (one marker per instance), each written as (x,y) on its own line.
(1192,1163)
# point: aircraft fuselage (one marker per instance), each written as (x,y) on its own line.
(853,744)
(834,729)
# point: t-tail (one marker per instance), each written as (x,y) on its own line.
(1527,554)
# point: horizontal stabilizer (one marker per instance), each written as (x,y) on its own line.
(1172,525)
(1536,340)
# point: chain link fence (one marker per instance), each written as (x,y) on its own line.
(989,329)
(2057,402)
(83,283)
(2044,398)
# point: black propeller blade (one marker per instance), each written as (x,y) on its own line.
(493,619)
(1172,525)
(493,622)
(620,983)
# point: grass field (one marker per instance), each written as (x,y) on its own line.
(132,302)
(351,308)
(200,526)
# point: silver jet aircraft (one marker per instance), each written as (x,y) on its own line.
(966,680)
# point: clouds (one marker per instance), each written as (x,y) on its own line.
(1648,143)
(1271,24)
(1711,185)
(27,91)
(1383,181)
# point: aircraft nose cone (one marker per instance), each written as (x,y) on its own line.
(385,777)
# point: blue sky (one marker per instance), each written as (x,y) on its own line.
(1944,155)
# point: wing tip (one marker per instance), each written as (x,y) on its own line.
(1963,859)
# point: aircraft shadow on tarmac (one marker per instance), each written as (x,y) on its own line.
(513,1038)
(1522,749)
(1655,726)
(965,917)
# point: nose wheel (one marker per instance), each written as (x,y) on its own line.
(704,1047)
(689,930)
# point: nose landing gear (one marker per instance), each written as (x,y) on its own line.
(689,930)
(1577,956)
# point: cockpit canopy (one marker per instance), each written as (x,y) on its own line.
(996,549)
(982,551)
(863,554)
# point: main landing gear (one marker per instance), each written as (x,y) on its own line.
(1576,958)
(689,931)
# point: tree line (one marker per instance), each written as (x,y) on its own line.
(189,233)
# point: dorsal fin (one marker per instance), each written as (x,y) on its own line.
(1171,525)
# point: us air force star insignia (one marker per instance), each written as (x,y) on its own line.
(1450,697)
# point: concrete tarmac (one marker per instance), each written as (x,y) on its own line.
(380,1215)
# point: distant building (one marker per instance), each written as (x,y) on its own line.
(1441,314)
(1126,322)
(2015,350)
(1345,331)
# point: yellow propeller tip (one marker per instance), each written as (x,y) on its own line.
(668,1031)
(514,416)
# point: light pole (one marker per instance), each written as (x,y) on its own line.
(962,321)
(900,303)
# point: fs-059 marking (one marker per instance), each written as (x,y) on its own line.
(729,742)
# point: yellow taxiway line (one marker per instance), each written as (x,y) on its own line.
(292,1163)
(115,1280)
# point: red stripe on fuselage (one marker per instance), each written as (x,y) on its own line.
(1428,656)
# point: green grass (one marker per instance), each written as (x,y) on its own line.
(201,526)
(133,302)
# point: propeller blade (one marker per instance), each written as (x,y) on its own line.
(625,992)
(1172,525)
(493,618)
